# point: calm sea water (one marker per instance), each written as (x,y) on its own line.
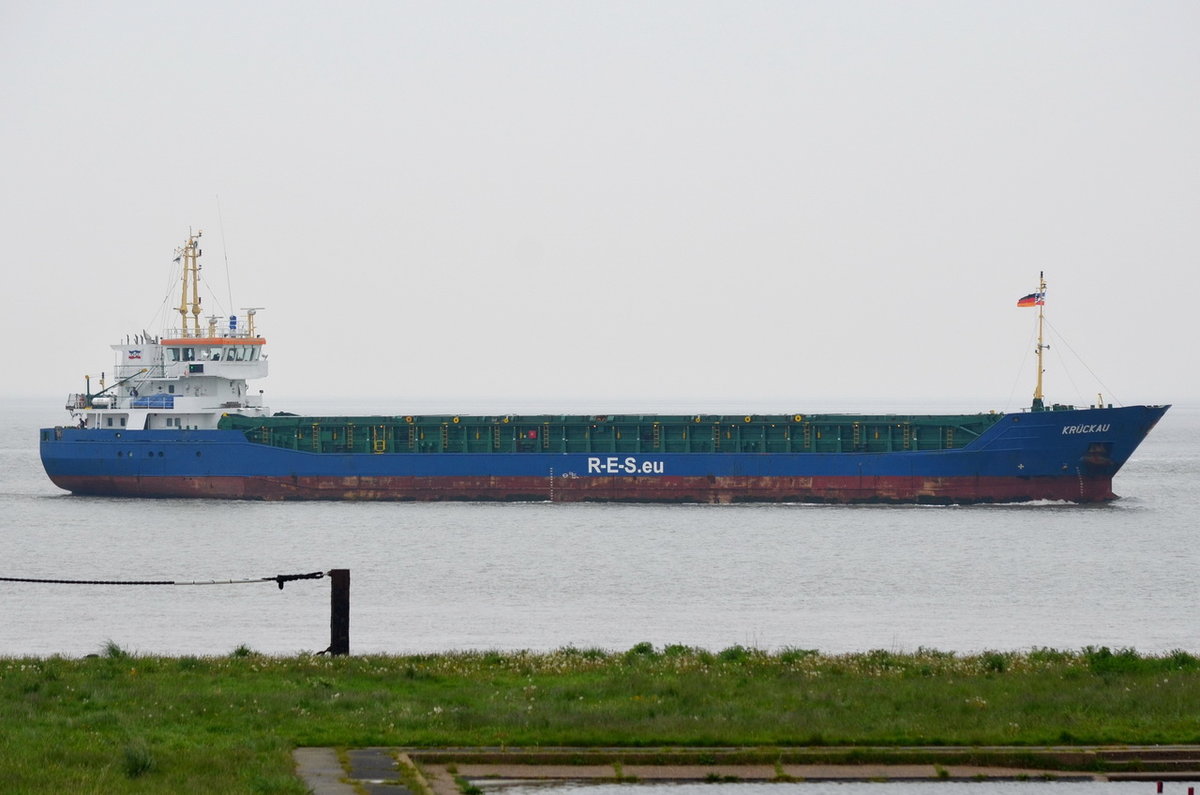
(537,576)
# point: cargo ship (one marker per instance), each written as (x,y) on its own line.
(178,420)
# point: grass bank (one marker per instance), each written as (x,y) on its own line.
(117,722)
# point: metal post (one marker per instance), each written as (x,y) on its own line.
(339,612)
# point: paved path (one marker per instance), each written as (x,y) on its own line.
(433,771)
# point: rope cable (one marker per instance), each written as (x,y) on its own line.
(279,579)
(224,251)
(1021,369)
(1064,365)
(1103,385)
(158,320)
(216,299)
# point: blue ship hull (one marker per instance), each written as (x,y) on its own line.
(1050,455)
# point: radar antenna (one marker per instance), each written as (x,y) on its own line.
(250,312)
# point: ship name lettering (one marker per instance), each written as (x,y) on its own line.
(1071,429)
(612,465)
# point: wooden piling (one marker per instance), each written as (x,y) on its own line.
(339,612)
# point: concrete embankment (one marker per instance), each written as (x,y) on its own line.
(436,771)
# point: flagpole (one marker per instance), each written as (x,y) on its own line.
(1038,405)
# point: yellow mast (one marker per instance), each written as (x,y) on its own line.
(189,257)
(1038,405)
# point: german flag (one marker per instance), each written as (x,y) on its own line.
(1033,299)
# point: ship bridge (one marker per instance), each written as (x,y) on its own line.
(186,379)
(226,357)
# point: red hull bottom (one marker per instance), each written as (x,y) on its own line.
(664,489)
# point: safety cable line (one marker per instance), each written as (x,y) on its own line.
(1103,385)
(1020,370)
(280,579)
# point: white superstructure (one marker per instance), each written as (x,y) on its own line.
(186,378)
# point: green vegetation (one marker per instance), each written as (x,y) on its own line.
(122,722)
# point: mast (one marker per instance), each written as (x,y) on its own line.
(189,257)
(1038,405)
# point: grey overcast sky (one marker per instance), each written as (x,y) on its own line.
(692,203)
